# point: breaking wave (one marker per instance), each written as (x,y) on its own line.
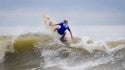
(45,52)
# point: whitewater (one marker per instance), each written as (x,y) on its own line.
(33,48)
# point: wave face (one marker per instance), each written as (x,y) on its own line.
(39,51)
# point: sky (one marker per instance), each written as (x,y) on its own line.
(78,12)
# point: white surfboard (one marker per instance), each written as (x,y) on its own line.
(48,21)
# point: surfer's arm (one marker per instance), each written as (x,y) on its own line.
(52,24)
(70,33)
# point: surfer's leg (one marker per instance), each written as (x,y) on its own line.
(62,38)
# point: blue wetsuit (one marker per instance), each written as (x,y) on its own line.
(63,28)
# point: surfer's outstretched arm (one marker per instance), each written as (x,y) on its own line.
(70,33)
(52,24)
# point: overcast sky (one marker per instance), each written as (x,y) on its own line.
(81,12)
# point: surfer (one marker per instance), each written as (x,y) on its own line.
(63,26)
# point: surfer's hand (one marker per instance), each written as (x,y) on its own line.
(50,23)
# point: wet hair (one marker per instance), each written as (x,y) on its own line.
(66,21)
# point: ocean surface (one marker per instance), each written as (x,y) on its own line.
(35,48)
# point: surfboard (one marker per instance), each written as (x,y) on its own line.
(48,21)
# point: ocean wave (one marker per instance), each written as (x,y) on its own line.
(55,53)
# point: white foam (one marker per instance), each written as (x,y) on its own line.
(90,45)
(112,50)
(6,45)
(84,66)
